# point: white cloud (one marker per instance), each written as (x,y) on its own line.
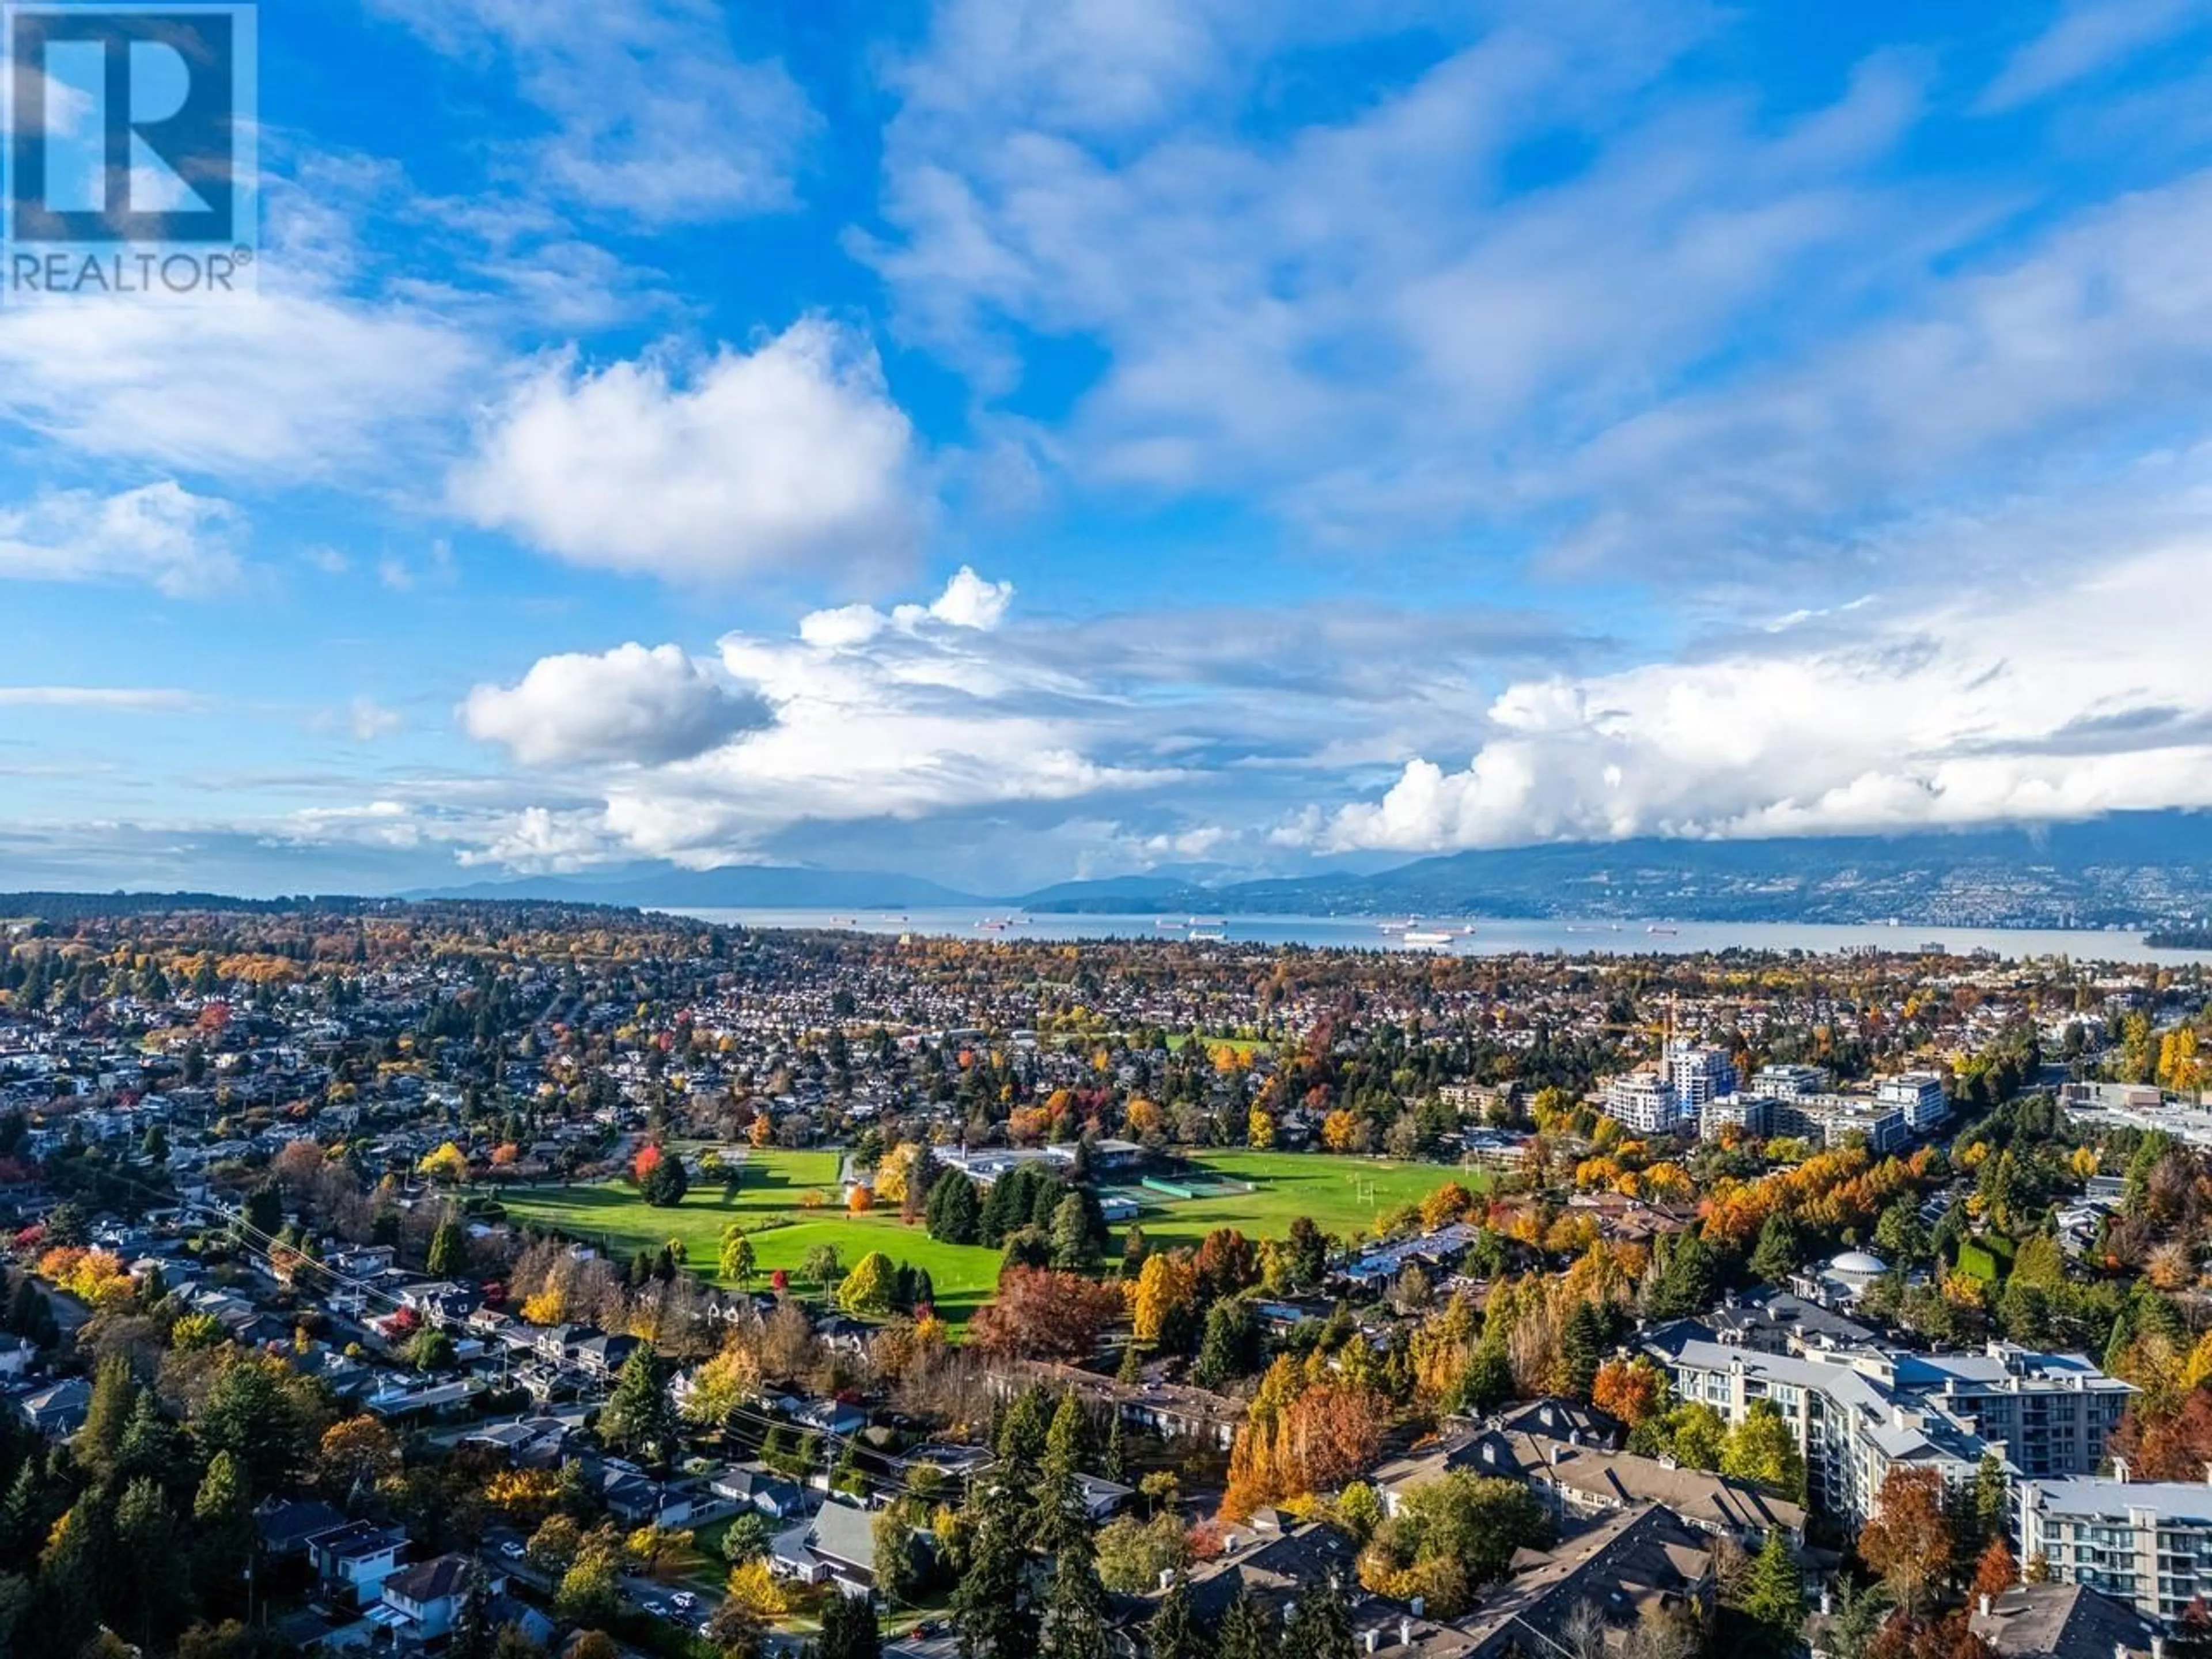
(2040,703)
(276,388)
(792,456)
(627,705)
(369,721)
(540,841)
(160,534)
(658,118)
(2089,35)
(968,601)
(122,700)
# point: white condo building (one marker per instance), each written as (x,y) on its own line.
(2146,1542)
(1920,1094)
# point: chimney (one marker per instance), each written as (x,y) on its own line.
(1371,1641)
(1827,1599)
(2120,1470)
(1405,1632)
(1986,1605)
(1420,1606)
(2157,1646)
(1167,1578)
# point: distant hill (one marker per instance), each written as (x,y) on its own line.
(2131,870)
(2142,870)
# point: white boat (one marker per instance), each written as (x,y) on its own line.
(1170,924)
(1430,936)
(1201,933)
(1655,928)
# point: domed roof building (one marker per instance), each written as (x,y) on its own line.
(1856,1264)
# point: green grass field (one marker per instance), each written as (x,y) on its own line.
(770,1205)
(1344,1195)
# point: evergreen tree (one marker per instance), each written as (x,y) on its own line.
(149,1443)
(1582,1345)
(1773,1597)
(990,1606)
(1074,1625)
(1074,1248)
(154,1592)
(1248,1630)
(449,1249)
(1173,1631)
(1775,1257)
(1114,1464)
(1320,1629)
(1023,1434)
(1068,1443)
(849,1629)
(473,1636)
(1230,1346)
(638,1415)
(955,1211)
(222,1526)
(114,1397)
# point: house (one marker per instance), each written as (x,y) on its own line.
(1638,1564)
(837,1545)
(357,1558)
(286,1525)
(1102,1499)
(422,1601)
(752,1486)
(831,1417)
(2062,1621)
(529,1443)
(58,1409)
(603,1353)
(631,1497)
(1578,1482)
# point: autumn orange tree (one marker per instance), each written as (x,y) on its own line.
(1909,1540)
(1306,1431)
(1632,1390)
(1997,1571)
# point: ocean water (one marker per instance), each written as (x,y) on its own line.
(1486,938)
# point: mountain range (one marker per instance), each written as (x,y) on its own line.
(2125,870)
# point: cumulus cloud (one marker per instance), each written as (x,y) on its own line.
(789,457)
(161,535)
(630,704)
(2018,708)
(968,601)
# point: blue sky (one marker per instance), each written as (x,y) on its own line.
(1009,441)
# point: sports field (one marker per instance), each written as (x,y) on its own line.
(789,1202)
(1344,1195)
(772,1205)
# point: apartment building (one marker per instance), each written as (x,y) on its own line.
(1852,1427)
(1919,1095)
(2147,1543)
(2054,1412)
(1791,1082)
(1642,1101)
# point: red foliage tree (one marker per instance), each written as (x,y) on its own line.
(1042,1315)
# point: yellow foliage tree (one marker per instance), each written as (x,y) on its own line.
(753,1588)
